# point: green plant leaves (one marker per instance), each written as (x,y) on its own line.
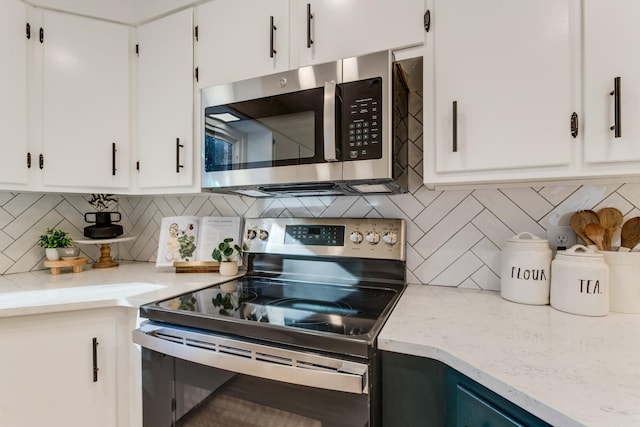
(55,238)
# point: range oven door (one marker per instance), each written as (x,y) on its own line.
(275,129)
(191,379)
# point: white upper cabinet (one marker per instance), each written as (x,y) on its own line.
(85,103)
(240,39)
(611,52)
(323,31)
(165,103)
(13,87)
(498,90)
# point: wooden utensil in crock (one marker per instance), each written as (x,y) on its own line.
(610,219)
(578,222)
(630,234)
(595,232)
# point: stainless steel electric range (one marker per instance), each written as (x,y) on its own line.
(293,342)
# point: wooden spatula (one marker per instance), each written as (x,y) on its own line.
(596,233)
(610,219)
(630,234)
(580,219)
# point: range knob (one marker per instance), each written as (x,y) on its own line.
(390,238)
(251,234)
(356,237)
(263,234)
(373,237)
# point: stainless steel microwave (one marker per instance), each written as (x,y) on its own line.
(328,129)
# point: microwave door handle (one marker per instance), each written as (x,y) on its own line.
(329,130)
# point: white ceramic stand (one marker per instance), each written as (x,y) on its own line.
(105,260)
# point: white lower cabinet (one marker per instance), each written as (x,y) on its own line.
(498,90)
(65,370)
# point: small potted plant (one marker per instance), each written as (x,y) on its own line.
(53,239)
(227,254)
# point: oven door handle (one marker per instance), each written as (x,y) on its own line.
(329,121)
(257,360)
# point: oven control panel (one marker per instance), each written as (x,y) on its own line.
(378,238)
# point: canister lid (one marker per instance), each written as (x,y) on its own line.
(527,238)
(580,251)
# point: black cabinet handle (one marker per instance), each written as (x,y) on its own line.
(95,360)
(113,159)
(28,160)
(272,51)
(178,147)
(455,126)
(41,161)
(427,21)
(616,108)
(309,18)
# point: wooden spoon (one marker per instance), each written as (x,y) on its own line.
(580,219)
(630,234)
(610,219)
(595,232)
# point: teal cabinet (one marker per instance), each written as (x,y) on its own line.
(418,391)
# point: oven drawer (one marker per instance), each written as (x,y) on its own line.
(258,360)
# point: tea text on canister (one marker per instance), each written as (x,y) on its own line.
(590,286)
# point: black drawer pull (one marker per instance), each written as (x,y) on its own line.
(616,108)
(178,147)
(113,159)
(272,50)
(95,360)
(455,126)
(309,18)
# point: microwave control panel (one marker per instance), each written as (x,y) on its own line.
(361,119)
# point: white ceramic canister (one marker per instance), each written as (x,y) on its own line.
(580,282)
(624,281)
(525,269)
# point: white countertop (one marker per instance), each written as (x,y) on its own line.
(128,285)
(568,370)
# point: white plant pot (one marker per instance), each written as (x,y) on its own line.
(228,268)
(52,254)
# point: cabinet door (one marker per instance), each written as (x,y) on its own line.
(85,102)
(165,102)
(47,372)
(471,404)
(501,88)
(234,40)
(341,29)
(611,46)
(13,92)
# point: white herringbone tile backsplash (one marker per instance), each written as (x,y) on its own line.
(454,237)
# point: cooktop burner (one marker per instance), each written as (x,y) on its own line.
(337,309)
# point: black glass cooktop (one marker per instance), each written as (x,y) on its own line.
(347,310)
